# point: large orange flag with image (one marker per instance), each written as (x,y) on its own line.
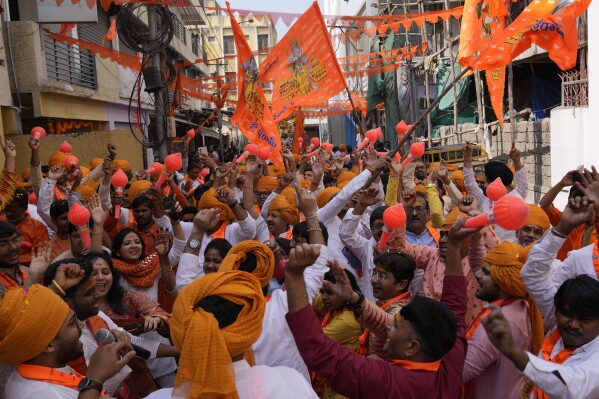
(252,115)
(482,22)
(550,24)
(303,66)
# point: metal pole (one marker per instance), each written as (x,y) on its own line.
(220,121)
(422,117)
(159,109)
(427,99)
(510,96)
(447,29)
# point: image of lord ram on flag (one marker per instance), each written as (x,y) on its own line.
(302,66)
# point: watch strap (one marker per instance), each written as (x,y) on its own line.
(87,383)
(357,304)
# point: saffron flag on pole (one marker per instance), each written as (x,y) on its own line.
(252,115)
(550,24)
(111,34)
(303,66)
(482,22)
(299,132)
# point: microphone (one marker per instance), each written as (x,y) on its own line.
(105,337)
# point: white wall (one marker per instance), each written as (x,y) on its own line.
(574,138)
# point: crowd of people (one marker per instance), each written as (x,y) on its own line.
(259,281)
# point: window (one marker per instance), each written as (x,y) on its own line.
(195,44)
(262,42)
(212,39)
(228,45)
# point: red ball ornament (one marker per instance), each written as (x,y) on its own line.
(119,179)
(38,133)
(395,216)
(264,153)
(510,213)
(70,160)
(496,190)
(401,128)
(66,147)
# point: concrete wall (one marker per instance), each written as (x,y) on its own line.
(5,97)
(533,139)
(85,147)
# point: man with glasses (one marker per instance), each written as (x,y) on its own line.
(12,274)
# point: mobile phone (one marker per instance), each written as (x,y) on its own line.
(203,151)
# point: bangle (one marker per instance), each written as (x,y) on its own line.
(314,229)
(233,204)
(166,271)
(311,216)
(60,290)
(557,233)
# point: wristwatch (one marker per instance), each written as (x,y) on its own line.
(88,383)
(357,304)
(193,244)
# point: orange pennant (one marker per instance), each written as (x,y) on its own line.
(496,84)
(303,66)
(66,28)
(111,34)
(252,115)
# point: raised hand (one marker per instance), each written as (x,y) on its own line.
(433,176)
(444,172)
(306,202)
(98,214)
(206,220)
(516,156)
(34,144)
(342,287)
(578,211)
(163,240)
(370,197)
(407,198)
(111,151)
(467,152)
(467,204)
(284,181)
(68,275)
(300,257)
(225,196)
(457,232)
(107,167)
(395,167)
(9,148)
(40,260)
(568,179)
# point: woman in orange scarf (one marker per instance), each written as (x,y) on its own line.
(141,274)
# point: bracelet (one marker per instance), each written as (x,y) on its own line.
(314,229)
(313,216)
(233,204)
(59,288)
(166,271)
(558,234)
(357,304)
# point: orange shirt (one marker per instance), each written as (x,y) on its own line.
(59,246)
(574,240)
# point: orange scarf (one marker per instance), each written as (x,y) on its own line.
(9,283)
(52,376)
(141,275)
(59,194)
(220,233)
(288,235)
(363,348)
(330,316)
(563,355)
(406,364)
(500,302)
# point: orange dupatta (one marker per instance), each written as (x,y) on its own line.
(52,376)
(500,302)
(596,256)
(141,275)
(363,348)
(406,364)
(220,233)
(288,235)
(548,344)
(9,283)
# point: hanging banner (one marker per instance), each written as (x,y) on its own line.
(303,66)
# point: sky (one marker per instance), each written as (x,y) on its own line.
(290,6)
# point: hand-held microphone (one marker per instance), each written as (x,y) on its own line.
(105,337)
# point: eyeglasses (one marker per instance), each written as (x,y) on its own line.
(377,225)
(16,242)
(378,275)
(418,209)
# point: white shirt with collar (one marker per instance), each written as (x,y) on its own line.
(259,382)
(580,372)
(191,266)
(18,387)
(276,346)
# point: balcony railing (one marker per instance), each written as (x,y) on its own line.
(575,89)
(69,64)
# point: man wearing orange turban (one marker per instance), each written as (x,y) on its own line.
(138,188)
(488,373)
(457,178)
(215,320)
(326,195)
(282,214)
(40,334)
(124,166)
(57,159)
(86,192)
(253,257)
(535,226)
(263,188)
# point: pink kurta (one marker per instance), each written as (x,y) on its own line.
(493,375)
(430,260)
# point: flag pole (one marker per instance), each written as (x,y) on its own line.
(422,117)
(356,115)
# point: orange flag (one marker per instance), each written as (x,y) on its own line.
(111,34)
(550,24)
(252,115)
(303,66)
(66,28)
(482,22)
